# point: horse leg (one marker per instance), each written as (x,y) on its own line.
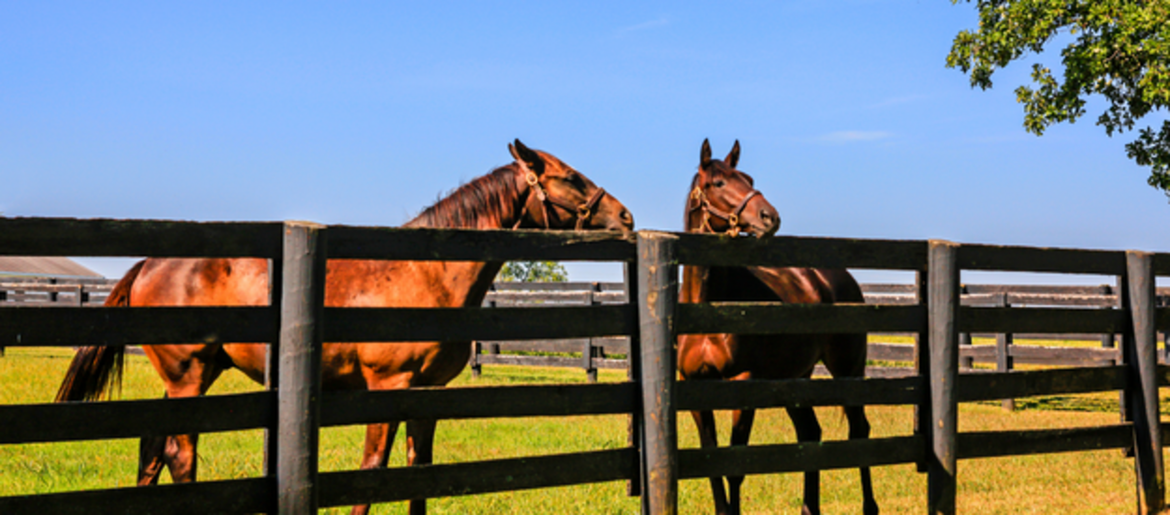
(741,431)
(859,430)
(708,439)
(379,440)
(150,459)
(804,420)
(179,451)
(420,443)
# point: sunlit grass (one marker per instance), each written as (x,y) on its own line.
(1096,482)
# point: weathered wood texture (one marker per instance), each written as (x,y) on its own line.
(1143,395)
(658,284)
(1043,441)
(100,237)
(400,484)
(131,419)
(943,302)
(983,387)
(35,326)
(299,371)
(720,250)
(549,361)
(1035,259)
(221,497)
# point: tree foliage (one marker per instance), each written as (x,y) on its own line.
(1120,50)
(533,272)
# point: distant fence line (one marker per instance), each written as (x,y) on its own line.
(610,353)
(1004,354)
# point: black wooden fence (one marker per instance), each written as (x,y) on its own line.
(293,409)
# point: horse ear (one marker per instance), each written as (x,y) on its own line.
(705,153)
(527,156)
(733,156)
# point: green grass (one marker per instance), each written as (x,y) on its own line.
(1095,482)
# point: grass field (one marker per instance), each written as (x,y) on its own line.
(1094,482)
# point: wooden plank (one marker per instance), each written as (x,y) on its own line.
(720,250)
(35,326)
(200,498)
(302,323)
(363,407)
(427,244)
(1161,265)
(613,345)
(1037,259)
(1043,441)
(890,352)
(457,324)
(1039,289)
(1044,355)
(776,318)
(657,313)
(446,480)
(73,421)
(943,302)
(899,289)
(758,394)
(1040,320)
(501,286)
(159,238)
(984,387)
(548,361)
(799,457)
(1147,429)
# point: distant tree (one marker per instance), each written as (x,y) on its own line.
(533,272)
(1121,51)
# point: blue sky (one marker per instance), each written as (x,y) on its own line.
(365,113)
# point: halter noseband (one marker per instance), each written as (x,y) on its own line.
(700,202)
(583,212)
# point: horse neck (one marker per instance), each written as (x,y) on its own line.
(467,282)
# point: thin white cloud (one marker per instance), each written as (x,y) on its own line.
(652,24)
(855,136)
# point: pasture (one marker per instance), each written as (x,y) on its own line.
(1086,482)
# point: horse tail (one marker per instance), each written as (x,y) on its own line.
(95,368)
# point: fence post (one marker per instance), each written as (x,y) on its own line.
(658,289)
(1143,385)
(922,416)
(636,486)
(587,348)
(299,391)
(1003,352)
(943,308)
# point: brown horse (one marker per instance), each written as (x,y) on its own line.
(724,199)
(537,191)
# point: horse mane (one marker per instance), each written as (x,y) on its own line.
(488,196)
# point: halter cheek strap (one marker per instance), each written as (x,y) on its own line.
(699,201)
(583,212)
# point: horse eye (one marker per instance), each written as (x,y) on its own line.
(719,183)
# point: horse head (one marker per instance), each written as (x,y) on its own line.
(724,199)
(561,197)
